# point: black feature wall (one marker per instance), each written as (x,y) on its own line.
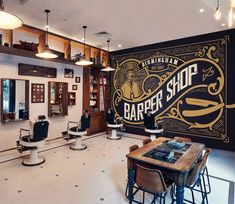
(188,83)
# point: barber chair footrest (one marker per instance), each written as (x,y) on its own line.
(76,147)
(114,138)
(34,162)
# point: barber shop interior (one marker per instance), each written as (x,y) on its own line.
(117,102)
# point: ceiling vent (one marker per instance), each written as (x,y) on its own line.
(21,2)
(103,34)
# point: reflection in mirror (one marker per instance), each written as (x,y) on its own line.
(14,101)
(57,100)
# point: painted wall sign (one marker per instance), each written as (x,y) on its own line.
(184,85)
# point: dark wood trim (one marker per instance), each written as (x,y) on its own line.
(26,98)
(37,71)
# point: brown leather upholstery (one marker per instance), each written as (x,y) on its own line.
(151,180)
(193,174)
(133,148)
(146,141)
(130,163)
(182,139)
(204,159)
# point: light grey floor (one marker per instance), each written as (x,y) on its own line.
(95,175)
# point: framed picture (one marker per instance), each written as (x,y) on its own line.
(77,79)
(37,93)
(75,87)
(68,73)
(0,39)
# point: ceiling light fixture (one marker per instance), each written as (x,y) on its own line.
(108,68)
(231,13)
(233,3)
(201,10)
(218,14)
(119,45)
(83,61)
(8,20)
(46,53)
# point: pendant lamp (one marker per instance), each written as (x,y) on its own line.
(8,20)
(108,68)
(46,53)
(83,61)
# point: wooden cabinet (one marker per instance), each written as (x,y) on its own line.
(95,86)
(98,123)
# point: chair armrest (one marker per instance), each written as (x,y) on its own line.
(72,122)
(25,130)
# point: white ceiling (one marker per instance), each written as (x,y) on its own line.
(130,22)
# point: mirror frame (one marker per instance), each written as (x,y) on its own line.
(26,99)
(65,100)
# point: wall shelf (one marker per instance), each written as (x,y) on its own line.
(65,47)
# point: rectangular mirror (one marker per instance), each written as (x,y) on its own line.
(57,99)
(14,100)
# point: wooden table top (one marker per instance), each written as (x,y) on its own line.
(183,164)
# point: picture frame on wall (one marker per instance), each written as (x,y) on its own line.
(74,87)
(77,79)
(37,93)
(68,73)
(0,39)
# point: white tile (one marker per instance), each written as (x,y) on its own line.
(84,169)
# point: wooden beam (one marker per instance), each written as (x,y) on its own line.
(9,37)
(67,50)
(42,42)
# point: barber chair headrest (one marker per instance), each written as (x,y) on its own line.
(41,117)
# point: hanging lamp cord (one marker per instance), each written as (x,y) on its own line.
(47,26)
(217,8)
(84,41)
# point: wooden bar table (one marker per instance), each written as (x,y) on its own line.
(177,172)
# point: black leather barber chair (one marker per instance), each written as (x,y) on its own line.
(76,132)
(152,127)
(110,117)
(113,123)
(32,141)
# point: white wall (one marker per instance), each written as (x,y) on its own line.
(9,133)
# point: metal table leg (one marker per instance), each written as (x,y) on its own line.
(179,194)
(131,182)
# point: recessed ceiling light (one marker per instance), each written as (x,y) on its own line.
(201,10)
(223,24)
(82,39)
(119,45)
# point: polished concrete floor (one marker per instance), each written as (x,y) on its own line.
(95,175)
